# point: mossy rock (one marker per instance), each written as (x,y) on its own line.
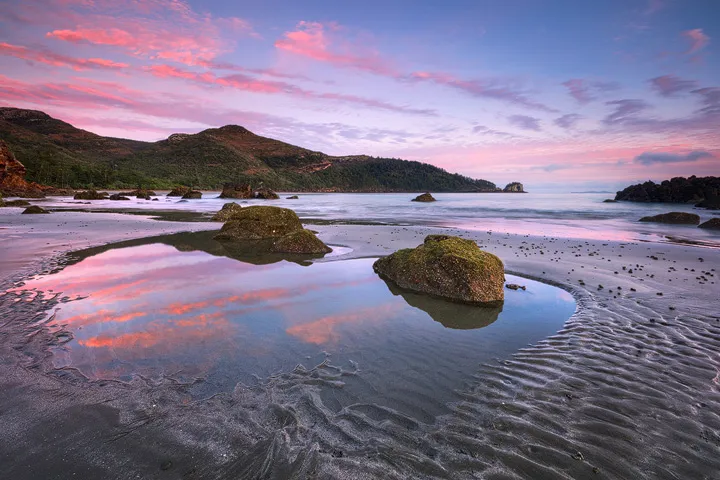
(178,191)
(91,195)
(425,197)
(259,222)
(712,224)
(300,242)
(34,209)
(17,203)
(192,195)
(448,267)
(677,218)
(226,212)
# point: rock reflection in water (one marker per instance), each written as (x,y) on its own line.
(449,314)
(187,306)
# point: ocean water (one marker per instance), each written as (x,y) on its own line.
(559,215)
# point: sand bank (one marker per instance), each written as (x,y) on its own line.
(627,389)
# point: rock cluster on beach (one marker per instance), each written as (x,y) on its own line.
(91,195)
(274,229)
(695,190)
(448,267)
(192,195)
(425,197)
(178,191)
(676,218)
(245,191)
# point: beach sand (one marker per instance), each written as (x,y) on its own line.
(629,388)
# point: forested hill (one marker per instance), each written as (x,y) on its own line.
(58,154)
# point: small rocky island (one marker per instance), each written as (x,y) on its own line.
(447,267)
(514,187)
(425,197)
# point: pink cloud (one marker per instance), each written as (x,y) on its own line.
(251,84)
(41,55)
(668,85)
(158,29)
(311,40)
(322,42)
(698,40)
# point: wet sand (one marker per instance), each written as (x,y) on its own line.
(629,388)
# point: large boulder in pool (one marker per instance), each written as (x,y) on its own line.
(712,224)
(91,195)
(192,195)
(448,267)
(425,197)
(677,218)
(260,222)
(300,242)
(226,212)
(34,209)
(179,191)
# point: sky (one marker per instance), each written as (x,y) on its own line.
(561,95)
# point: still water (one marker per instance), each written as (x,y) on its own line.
(184,306)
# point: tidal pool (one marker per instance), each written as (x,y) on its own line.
(188,307)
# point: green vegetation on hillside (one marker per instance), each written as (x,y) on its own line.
(56,153)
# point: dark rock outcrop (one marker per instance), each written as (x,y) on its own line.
(236,190)
(609,200)
(178,191)
(192,195)
(712,224)
(515,286)
(34,209)
(425,197)
(448,267)
(266,194)
(676,190)
(117,196)
(711,201)
(226,212)
(292,197)
(260,222)
(17,203)
(91,195)
(300,242)
(514,187)
(12,177)
(677,218)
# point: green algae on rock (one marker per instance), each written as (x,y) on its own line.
(678,218)
(300,242)
(226,212)
(259,222)
(448,267)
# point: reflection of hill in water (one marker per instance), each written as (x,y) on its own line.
(251,251)
(452,315)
